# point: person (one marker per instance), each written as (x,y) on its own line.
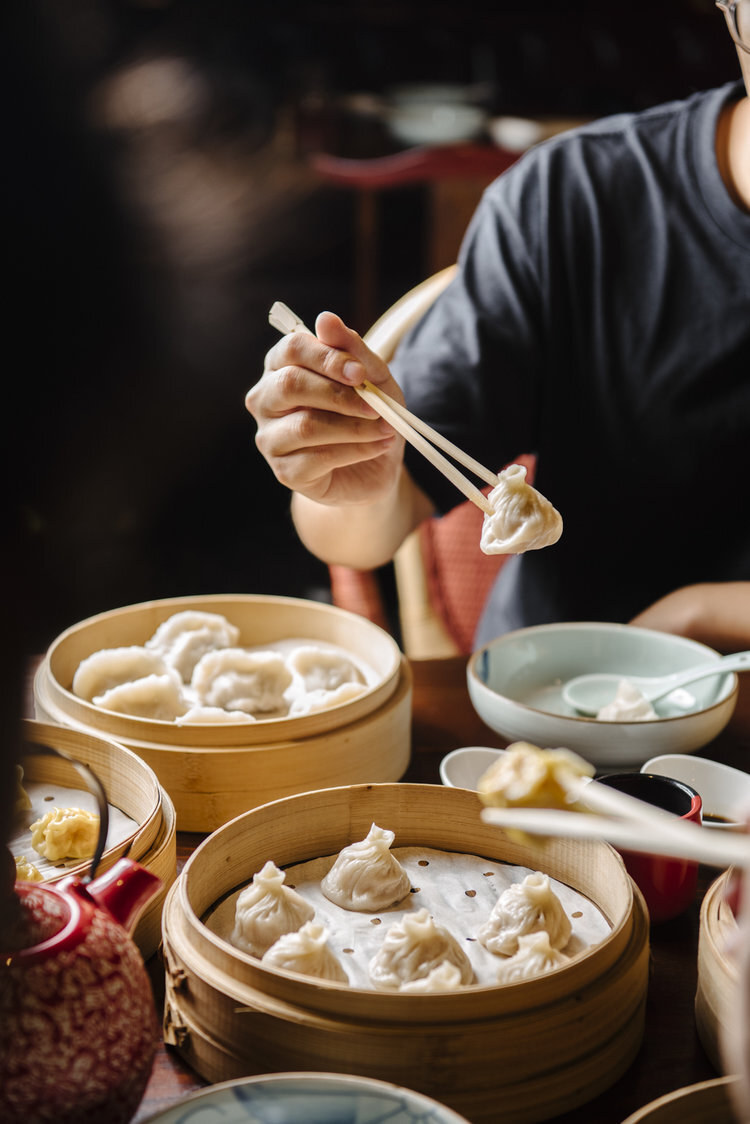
(599,318)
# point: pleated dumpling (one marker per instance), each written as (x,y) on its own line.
(65,833)
(366,876)
(235,679)
(412,948)
(312,701)
(203,715)
(322,669)
(158,697)
(186,636)
(444,977)
(266,909)
(306,951)
(110,667)
(534,957)
(522,518)
(530,906)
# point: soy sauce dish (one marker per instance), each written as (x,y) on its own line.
(725,791)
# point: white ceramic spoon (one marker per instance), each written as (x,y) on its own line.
(589,693)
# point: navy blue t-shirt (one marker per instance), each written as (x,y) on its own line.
(601,319)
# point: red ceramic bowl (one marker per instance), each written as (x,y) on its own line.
(667,884)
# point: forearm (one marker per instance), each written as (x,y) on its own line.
(714,613)
(361,535)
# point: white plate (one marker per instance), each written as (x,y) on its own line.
(307,1098)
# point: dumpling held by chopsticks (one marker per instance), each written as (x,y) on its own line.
(521,519)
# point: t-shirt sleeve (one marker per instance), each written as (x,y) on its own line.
(472,366)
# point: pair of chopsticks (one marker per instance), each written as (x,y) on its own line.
(629,824)
(411,428)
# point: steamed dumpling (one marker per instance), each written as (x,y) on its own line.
(530,906)
(319,699)
(65,833)
(306,951)
(186,636)
(366,876)
(412,948)
(321,669)
(157,697)
(522,518)
(236,679)
(534,957)
(445,977)
(203,715)
(110,667)
(266,909)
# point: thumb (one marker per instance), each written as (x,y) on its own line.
(333,332)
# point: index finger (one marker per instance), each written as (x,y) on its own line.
(303,349)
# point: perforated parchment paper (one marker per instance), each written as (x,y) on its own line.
(458,890)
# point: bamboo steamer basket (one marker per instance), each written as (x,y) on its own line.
(694,1104)
(515,1053)
(717,973)
(215,772)
(131,786)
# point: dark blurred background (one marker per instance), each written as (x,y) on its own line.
(159,197)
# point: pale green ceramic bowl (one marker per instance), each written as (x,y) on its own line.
(515,685)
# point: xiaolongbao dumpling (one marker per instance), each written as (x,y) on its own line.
(445,977)
(412,948)
(322,669)
(312,701)
(266,909)
(534,957)
(366,876)
(522,518)
(306,951)
(65,833)
(206,714)
(530,906)
(108,668)
(236,679)
(26,871)
(186,636)
(155,696)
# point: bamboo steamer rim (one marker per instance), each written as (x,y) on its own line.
(161,860)
(218,867)
(692,1104)
(130,784)
(717,925)
(52,682)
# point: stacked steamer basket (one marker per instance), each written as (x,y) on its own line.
(215,772)
(695,1104)
(132,787)
(717,972)
(518,1052)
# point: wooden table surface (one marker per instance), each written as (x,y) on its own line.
(671,1055)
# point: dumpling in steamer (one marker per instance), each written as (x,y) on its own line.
(110,667)
(534,957)
(445,977)
(412,948)
(366,876)
(186,636)
(203,715)
(266,909)
(235,679)
(65,833)
(306,951)
(322,669)
(319,699)
(157,697)
(526,907)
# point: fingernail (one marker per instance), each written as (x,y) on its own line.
(354,372)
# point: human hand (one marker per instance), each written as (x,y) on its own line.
(319,437)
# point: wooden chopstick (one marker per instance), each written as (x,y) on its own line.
(685,840)
(411,428)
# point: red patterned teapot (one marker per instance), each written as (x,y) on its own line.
(78,1025)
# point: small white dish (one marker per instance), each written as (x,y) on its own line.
(462,768)
(725,791)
